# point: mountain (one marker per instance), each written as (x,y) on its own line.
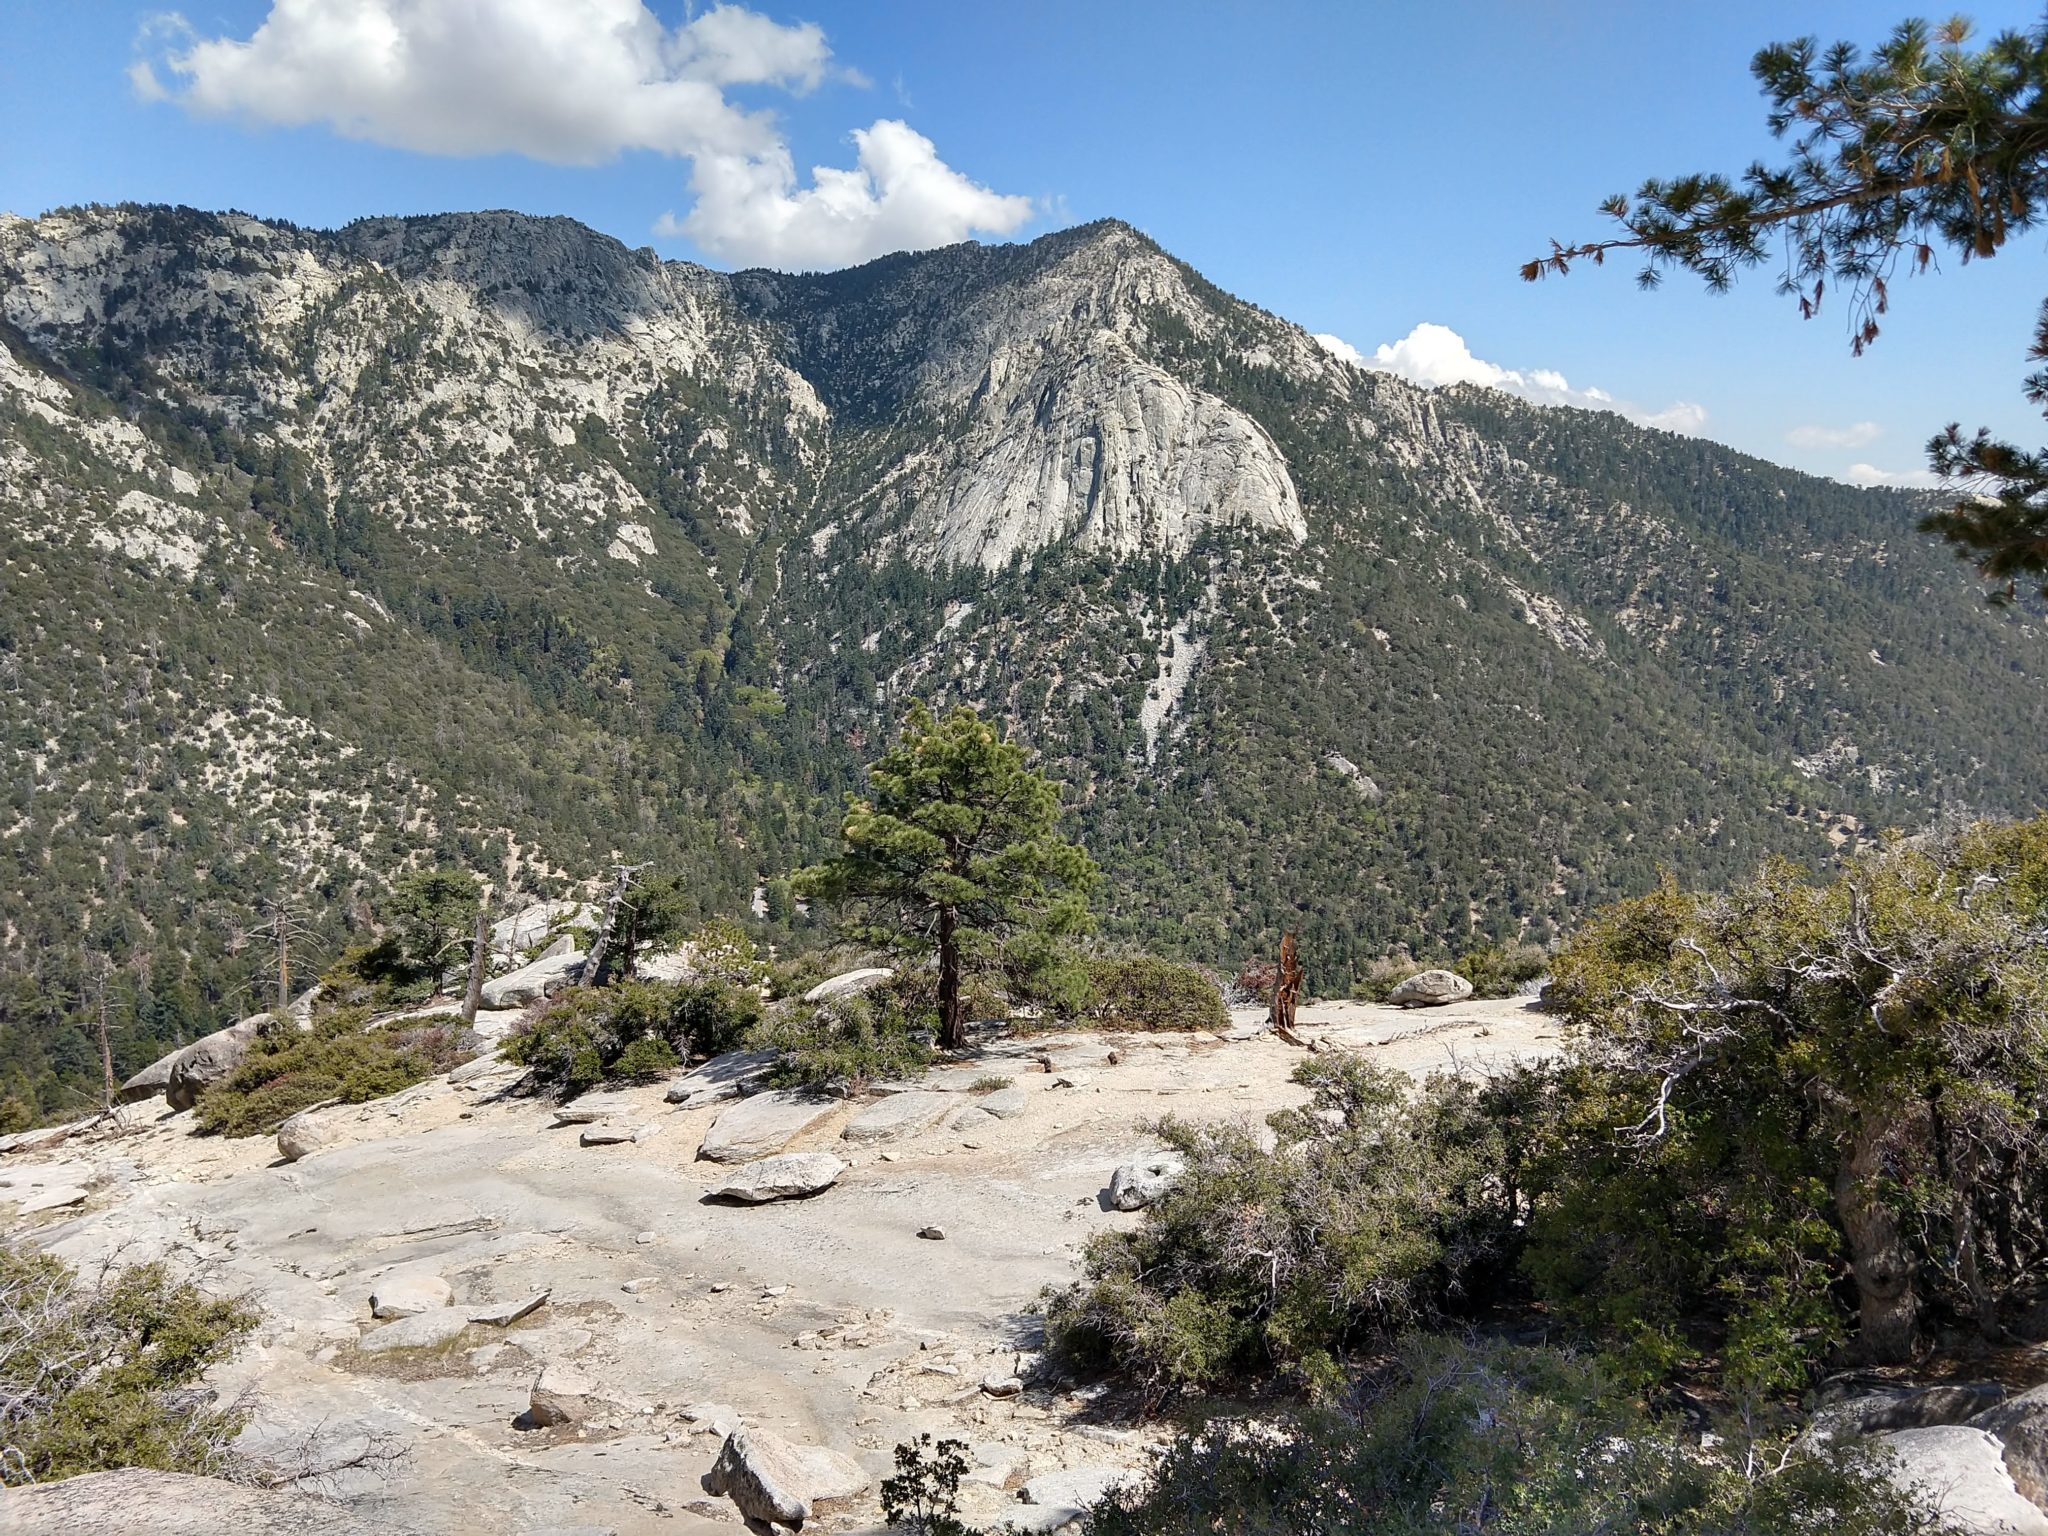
(481,537)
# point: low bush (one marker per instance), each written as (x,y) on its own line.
(287,1069)
(104,1373)
(1512,1441)
(590,1034)
(374,976)
(851,1040)
(1145,992)
(1377,1208)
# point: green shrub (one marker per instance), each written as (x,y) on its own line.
(648,1057)
(1378,1208)
(98,1374)
(584,1036)
(1512,1442)
(287,1070)
(374,976)
(990,1082)
(1145,992)
(851,1040)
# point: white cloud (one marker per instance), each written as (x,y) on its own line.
(1433,355)
(1857,435)
(899,196)
(1908,479)
(577,82)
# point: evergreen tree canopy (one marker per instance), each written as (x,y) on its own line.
(1926,145)
(955,854)
(433,910)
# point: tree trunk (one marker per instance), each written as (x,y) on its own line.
(952,1012)
(473,994)
(1878,1255)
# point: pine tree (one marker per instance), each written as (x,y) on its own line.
(1926,144)
(955,855)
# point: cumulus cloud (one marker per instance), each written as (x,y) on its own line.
(1856,435)
(577,82)
(1906,479)
(1433,355)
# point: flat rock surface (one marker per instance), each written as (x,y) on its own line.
(1962,1471)
(899,1115)
(422,1330)
(722,1077)
(763,1125)
(138,1502)
(899,1332)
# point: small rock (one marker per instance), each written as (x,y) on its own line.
(638,1284)
(1137,1184)
(605,1135)
(644,1238)
(645,1132)
(932,1234)
(506,1314)
(561,1396)
(1002,1384)
(720,1287)
(300,1136)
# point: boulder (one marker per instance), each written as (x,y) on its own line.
(520,932)
(722,1077)
(900,1114)
(847,982)
(1961,1471)
(417,1330)
(766,1477)
(150,1081)
(2021,1424)
(561,1395)
(1137,1184)
(206,1061)
(832,1476)
(1872,1413)
(1430,989)
(763,1125)
(1073,1489)
(791,1176)
(406,1293)
(533,982)
(302,1134)
(136,1500)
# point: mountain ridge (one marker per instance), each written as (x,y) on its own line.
(486,538)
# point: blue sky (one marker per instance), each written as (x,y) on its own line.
(1362,169)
